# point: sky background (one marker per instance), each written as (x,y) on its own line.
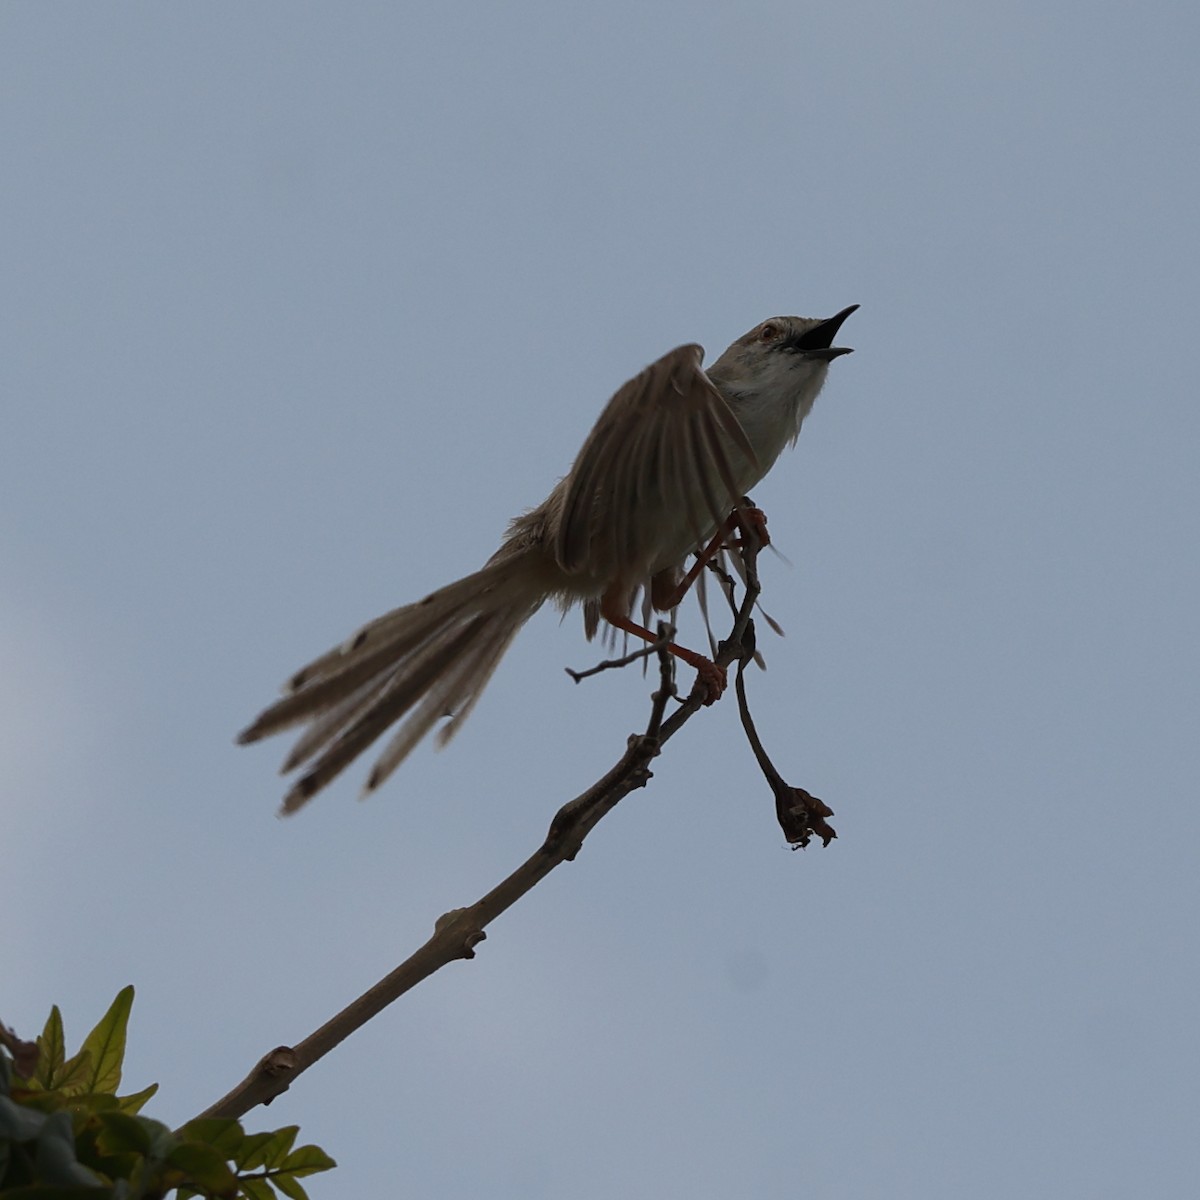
(303,301)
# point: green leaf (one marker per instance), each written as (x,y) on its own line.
(248,1155)
(121,1133)
(76,1074)
(290,1186)
(224,1134)
(52,1051)
(134,1102)
(204,1167)
(272,1152)
(165,1140)
(308,1160)
(256,1188)
(106,1044)
(94,1102)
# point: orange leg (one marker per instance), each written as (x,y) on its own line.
(710,678)
(750,518)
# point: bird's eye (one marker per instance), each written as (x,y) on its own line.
(768,333)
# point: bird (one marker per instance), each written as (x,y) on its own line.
(668,461)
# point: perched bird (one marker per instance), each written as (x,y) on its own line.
(665,465)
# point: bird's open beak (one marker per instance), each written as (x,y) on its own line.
(818,341)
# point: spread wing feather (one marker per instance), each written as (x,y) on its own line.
(663,444)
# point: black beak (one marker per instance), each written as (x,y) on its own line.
(818,341)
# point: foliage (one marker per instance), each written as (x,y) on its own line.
(65,1134)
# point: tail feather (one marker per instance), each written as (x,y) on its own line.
(394,698)
(365,700)
(400,626)
(329,693)
(454,695)
(325,727)
(418,664)
(483,670)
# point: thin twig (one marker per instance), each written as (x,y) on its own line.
(665,633)
(800,814)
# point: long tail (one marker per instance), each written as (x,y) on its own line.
(428,660)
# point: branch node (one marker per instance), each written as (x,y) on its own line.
(278,1062)
(276,1068)
(471,935)
(644,745)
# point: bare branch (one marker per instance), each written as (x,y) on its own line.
(799,812)
(458,932)
(665,633)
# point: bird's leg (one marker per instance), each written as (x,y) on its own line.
(710,678)
(752,522)
(749,520)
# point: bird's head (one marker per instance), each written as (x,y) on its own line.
(783,354)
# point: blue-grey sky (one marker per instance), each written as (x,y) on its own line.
(302,302)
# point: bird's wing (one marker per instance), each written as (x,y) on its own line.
(666,443)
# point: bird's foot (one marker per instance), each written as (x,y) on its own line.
(753,522)
(710,680)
